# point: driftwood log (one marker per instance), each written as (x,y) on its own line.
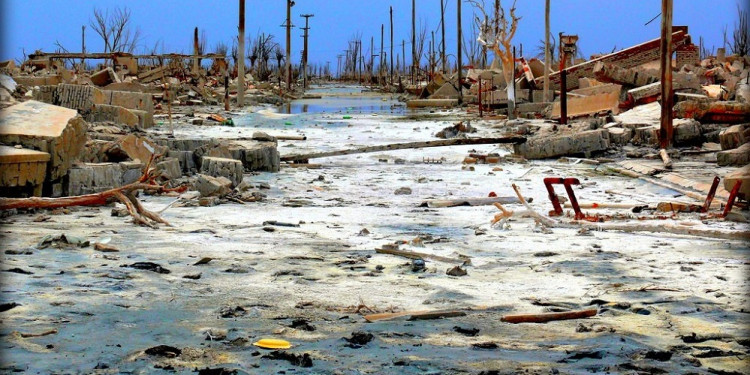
(125,194)
(548,317)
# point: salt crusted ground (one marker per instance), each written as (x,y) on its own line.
(664,288)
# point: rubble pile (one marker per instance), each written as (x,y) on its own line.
(91,124)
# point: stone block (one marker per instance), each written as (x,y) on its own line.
(687,133)
(32,81)
(261,156)
(169,168)
(532,107)
(739,156)
(22,171)
(58,131)
(131,171)
(210,186)
(620,136)
(88,178)
(564,144)
(734,136)
(741,174)
(446,91)
(116,114)
(185,158)
(605,98)
(104,77)
(140,148)
(223,167)
(646,135)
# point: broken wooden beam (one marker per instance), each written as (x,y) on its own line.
(487,201)
(548,317)
(418,255)
(512,139)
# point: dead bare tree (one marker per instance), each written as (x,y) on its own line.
(472,49)
(741,34)
(552,48)
(115,30)
(125,194)
(500,37)
(421,39)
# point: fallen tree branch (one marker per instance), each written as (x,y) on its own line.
(418,255)
(124,194)
(548,317)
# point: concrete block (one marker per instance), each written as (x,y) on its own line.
(687,133)
(446,91)
(741,174)
(61,132)
(104,77)
(734,136)
(739,156)
(113,113)
(210,186)
(620,136)
(222,167)
(22,171)
(140,148)
(169,168)
(565,144)
(606,98)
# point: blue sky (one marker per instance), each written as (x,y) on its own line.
(602,24)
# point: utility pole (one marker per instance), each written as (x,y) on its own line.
(361,60)
(304,54)
(289,5)
(547,54)
(403,54)
(460,87)
(372,56)
(413,40)
(667,99)
(241,58)
(391,46)
(338,67)
(380,67)
(195,50)
(442,31)
(83,46)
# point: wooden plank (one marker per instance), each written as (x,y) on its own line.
(418,255)
(487,201)
(548,317)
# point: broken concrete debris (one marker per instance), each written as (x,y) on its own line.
(412,212)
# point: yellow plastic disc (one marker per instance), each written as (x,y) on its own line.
(273,344)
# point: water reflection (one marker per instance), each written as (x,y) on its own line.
(296,107)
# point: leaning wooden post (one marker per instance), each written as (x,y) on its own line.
(563,85)
(241,58)
(460,88)
(195,50)
(667,99)
(547,54)
(391,10)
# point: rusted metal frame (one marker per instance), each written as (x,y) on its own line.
(732,197)
(567,183)
(711,194)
